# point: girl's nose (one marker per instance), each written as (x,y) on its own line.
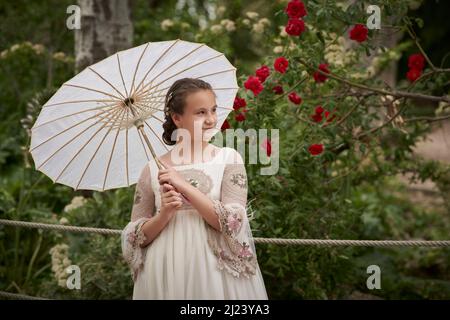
(210,120)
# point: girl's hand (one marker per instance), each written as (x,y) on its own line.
(170,201)
(171,176)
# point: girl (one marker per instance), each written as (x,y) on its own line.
(201,248)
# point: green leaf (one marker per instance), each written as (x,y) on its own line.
(419,22)
(319,35)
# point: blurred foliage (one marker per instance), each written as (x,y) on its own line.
(350,194)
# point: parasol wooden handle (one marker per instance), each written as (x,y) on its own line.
(139,124)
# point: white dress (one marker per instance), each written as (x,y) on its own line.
(189,259)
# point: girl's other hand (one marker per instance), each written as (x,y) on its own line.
(170,200)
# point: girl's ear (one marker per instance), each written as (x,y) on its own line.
(176,119)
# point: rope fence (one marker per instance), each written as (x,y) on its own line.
(279,241)
(17,296)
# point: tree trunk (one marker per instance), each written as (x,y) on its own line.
(106,28)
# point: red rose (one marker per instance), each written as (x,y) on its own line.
(416,61)
(319,77)
(278,90)
(295,9)
(281,64)
(239,103)
(240,117)
(359,33)
(295,27)
(225,125)
(413,74)
(266,145)
(315,149)
(295,98)
(262,73)
(319,109)
(317,117)
(254,84)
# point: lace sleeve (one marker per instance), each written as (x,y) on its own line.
(132,236)
(233,245)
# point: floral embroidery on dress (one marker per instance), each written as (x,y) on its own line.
(233,256)
(197,178)
(132,236)
(233,222)
(232,244)
(239,179)
(133,253)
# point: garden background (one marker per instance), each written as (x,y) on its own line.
(356,159)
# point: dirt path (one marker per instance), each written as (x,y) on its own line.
(436,146)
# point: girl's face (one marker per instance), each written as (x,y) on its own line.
(200,111)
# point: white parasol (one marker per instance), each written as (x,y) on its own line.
(102,126)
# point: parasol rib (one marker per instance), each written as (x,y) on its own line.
(90,89)
(98,148)
(160,57)
(137,67)
(72,114)
(121,75)
(82,148)
(75,125)
(79,101)
(111,154)
(171,65)
(194,65)
(111,85)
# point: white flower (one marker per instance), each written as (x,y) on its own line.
(231,27)
(258,28)
(221,10)
(371,71)
(63,220)
(62,283)
(336,52)
(76,202)
(358,75)
(278,49)
(252,15)
(15,47)
(216,29)
(4,54)
(292,46)
(246,22)
(59,56)
(264,21)
(66,262)
(38,48)
(283,32)
(277,40)
(166,24)
(60,261)
(228,24)
(185,25)
(394,55)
